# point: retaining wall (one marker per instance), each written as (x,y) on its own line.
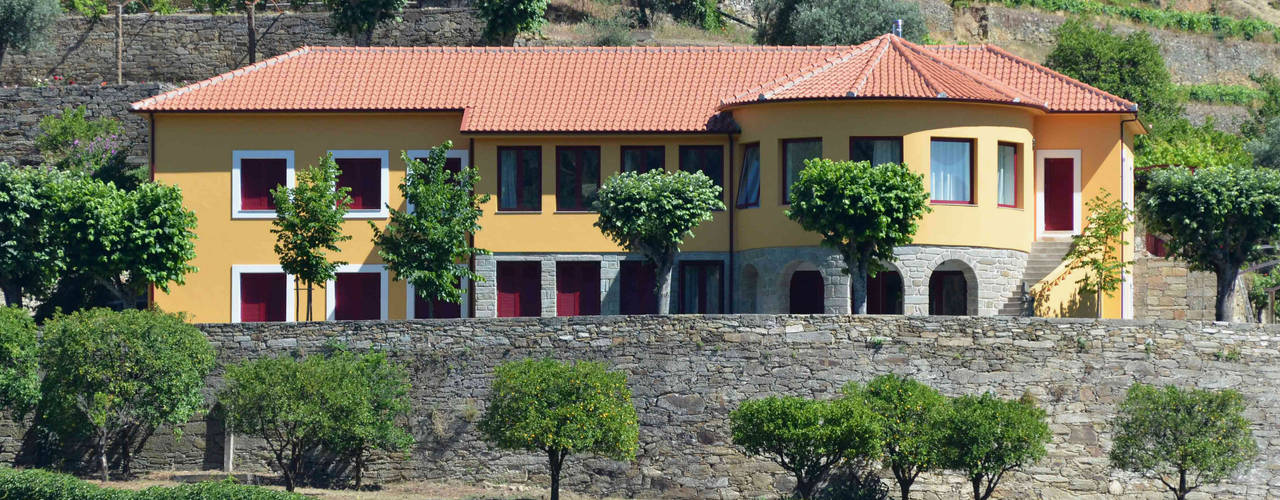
(21,109)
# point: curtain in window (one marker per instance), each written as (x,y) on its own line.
(641,159)
(706,159)
(877,151)
(950,170)
(794,154)
(749,183)
(1007,183)
(700,291)
(507,195)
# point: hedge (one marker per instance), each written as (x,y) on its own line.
(1221,94)
(1196,22)
(35,484)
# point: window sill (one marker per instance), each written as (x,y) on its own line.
(1011,207)
(517,212)
(253,214)
(953,203)
(357,214)
(575,212)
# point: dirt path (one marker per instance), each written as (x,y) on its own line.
(427,490)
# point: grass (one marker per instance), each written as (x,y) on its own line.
(413,490)
(605,22)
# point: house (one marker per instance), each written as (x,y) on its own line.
(1009,150)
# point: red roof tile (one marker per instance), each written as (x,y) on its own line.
(632,89)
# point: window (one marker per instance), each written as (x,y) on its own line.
(706,159)
(1007,170)
(253,175)
(807,293)
(948,293)
(877,150)
(365,174)
(577,177)
(701,287)
(749,181)
(638,285)
(520,178)
(260,293)
(794,153)
(577,288)
(420,308)
(453,162)
(357,292)
(1156,246)
(951,170)
(641,159)
(519,289)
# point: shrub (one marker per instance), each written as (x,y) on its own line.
(96,147)
(1173,435)
(282,401)
(561,409)
(1178,142)
(369,409)
(35,484)
(826,22)
(806,437)
(24,24)
(1128,66)
(504,19)
(19,361)
(1239,95)
(114,377)
(910,415)
(985,437)
(1196,22)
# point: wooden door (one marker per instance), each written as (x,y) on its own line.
(1059,194)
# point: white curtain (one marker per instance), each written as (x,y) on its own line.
(950,170)
(749,187)
(796,152)
(886,151)
(1008,180)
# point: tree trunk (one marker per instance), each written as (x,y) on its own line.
(805,487)
(1225,303)
(119,43)
(359,468)
(12,293)
(977,487)
(858,286)
(2,47)
(904,486)
(249,9)
(663,270)
(102,458)
(556,459)
(308,315)
(1182,481)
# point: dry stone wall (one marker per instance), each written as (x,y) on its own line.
(688,372)
(21,109)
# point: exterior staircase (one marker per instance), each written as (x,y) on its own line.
(1045,257)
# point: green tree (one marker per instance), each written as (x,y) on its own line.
(1263,114)
(1178,142)
(95,147)
(429,246)
(806,437)
(19,361)
(910,416)
(823,22)
(24,24)
(1265,148)
(985,437)
(95,9)
(1130,67)
(117,376)
(1099,249)
(504,19)
(308,224)
(1215,219)
(368,409)
(358,18)
(1177,435)
(561,409)
(861,211)
(31,259)
(704,14)
(250,8)
(652,213)
(1258,295)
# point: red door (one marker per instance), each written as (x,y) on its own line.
(519,288)
(1059,191)
(806,292)
(638,283)
(577,288)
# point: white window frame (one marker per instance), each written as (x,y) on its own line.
(1076,197)
(462,154)
(381,155)
(330,292)
(290,301)
(236,157)
(466,299)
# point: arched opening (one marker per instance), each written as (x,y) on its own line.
(885,293)
(953,290)
(806,293)
(747,290)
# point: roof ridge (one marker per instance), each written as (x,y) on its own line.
(866,71)
(789,80)
(981,78)
(911,62)
(151,101)
(1055,74)
(586,48)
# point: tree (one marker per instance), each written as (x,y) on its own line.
(824,22)
(358,18)
(1130,67)
(985,437)
(504,19)
(95,9)
(652,213)
(1258,294)
(429,246)
(249,7)
(31,260)
(96,147)
(704,14)
(117,376)
(806,437)
(861,211)
(561,409)
(19,362)
(308,223)
(910,416)
(1178,142)
(369,407)
(1099,249)
(1215,219)
(1173,435)
(24,24)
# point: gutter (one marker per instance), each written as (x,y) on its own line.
(1133,186)
(731,208)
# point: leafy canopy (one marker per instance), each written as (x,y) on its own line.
(429,246)
(31,258)
(806,437)
(308,222)
(910,415)
(358,18)
(1099,249)
(24,24)
(98,8)
(1178,142)
(19,361)
(826,22)
(1258,295)
(1174,434)
(985,437)
(1128,66)
(504,19)
(653,212)
(368,407)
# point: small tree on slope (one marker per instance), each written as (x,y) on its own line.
(911,416)
(984,437)
(308,223)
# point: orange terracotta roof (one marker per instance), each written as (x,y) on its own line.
(621,89)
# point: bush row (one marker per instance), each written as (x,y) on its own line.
(1221,94)
(1195,22)
(35,484)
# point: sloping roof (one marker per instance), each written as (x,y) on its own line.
(622,89)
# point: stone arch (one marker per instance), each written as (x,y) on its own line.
(785,277)
(887,292)
(748,290)
(944,285)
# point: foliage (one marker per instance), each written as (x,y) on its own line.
(614,32)
(368,408)
(19,361)
(806,437)
(1215,93)
(1099,249)
(561,409)
(36,484)
(24,24)
(31,259)
(704,14)
(1266,110)
(504,19)
(1214,218)
(652,213)
(910,415)
(1173,19)
(429,246)
(1173,435)
(120,375)
(1130,67)
(985,437)
(1178,142)
(861,211)
(855,479)
(308,224)
(97,8)
(1265,148)
(823,22)
(60,134)
(1258,295)
(96,147)
(282,401)
(358,18)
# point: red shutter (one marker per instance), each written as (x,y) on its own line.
(258,176)
(364,177)
(357,296)
(519,289)
(577,288)
(262,297)
(637,282)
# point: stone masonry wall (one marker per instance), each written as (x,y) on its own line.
(1167,289)
(21,109)
(688,372)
